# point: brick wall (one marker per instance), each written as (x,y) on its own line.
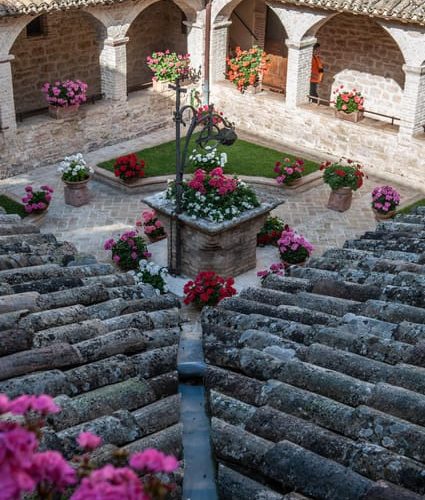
(360,54)
(69,50)
(159,27)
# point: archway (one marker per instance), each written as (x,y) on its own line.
(60,46)
(169,33)
(362,55)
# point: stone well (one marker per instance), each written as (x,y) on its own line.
(228,248)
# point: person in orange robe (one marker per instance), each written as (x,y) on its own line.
(316,72)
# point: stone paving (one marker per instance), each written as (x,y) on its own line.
(112,212)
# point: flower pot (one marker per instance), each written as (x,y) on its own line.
(293,184)
(76,193)
(60,112)
(160,86)
(254,89)
(130,180)
(354,117)
(340,199)
(288,264)
(383,215)
(155,239)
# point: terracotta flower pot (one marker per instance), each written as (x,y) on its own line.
(383,216)
(340,199)
(76,193)
(354,117)
(157,238)
(254,89)
(293,184)
(60,112)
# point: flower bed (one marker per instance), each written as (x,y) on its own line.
(129,167)
(215,196)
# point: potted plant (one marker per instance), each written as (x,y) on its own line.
(75,175)
(293,247)
(127,250)
(65,97)
(246,69)
(348,104)
(129,168)
(214,196)
(270,232)
(152,226)
(167,67)
(385,200)
(278,268)
(37,202)
(343,177)
(208,289)
(208,160)
(152,274)
(289,172)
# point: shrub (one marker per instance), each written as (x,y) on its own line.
(343,174)
(129,167)
(208,289)
(66,93)
(127,250)
(37,201)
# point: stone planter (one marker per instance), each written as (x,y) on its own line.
(76,193)
(228,248)
(383,216)
(350,117)
(160,86)
(60,112)
(340,199)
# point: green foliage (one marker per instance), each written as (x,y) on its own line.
(12,206)
(339,176)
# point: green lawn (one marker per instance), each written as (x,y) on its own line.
(243,158)
(408,209)
(12,206)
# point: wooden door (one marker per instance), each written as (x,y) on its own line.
(275,76)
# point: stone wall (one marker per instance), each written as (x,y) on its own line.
(360,54)
(41,140)
(158,27)
(70,49)
(316,130)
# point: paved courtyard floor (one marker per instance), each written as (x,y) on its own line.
(111,211)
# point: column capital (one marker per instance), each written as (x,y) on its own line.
(302,44)
(221,24)
(193,25)
(415,70)
(115,42)
(6,58)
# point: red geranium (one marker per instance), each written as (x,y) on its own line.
(129,167)
(208,289)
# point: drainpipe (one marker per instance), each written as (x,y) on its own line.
(206,86)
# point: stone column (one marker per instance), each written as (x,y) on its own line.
(195,43)
(413,102)
(220,34)
(7,105)
(299,71)
(113,66)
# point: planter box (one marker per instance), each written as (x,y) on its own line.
(228,248)
(60,112)
(350,117)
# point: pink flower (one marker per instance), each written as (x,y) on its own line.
(133,255)
(152,460)
(50,467)
(147,255)
(21,405)
(158,224)
(4,403)
(88,441)
(28,189)
(44,404)
(116,258)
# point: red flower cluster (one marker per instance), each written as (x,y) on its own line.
(129,167)
(268,238)
(208,289)
(345,173)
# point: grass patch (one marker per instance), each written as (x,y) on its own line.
(12,206)
(410,208)
(243,158)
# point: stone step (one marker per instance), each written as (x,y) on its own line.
(420,211)
(14,229)
(57,317)
(110,280)
(384,234)
(397,225)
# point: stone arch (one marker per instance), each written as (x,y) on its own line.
(69,49)
(169,33)
(362,56)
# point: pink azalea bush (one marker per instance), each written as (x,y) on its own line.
(293,247)
(348,101)
(288,171)
(385,199)
(152,226)
(215,196)
(276,268)
(37,201)
(66,93)
(24,469)
(127,250)
(168,66)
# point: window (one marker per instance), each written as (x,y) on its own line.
(37,27)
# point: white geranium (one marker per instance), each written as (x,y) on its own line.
(153,274)
(74,168)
